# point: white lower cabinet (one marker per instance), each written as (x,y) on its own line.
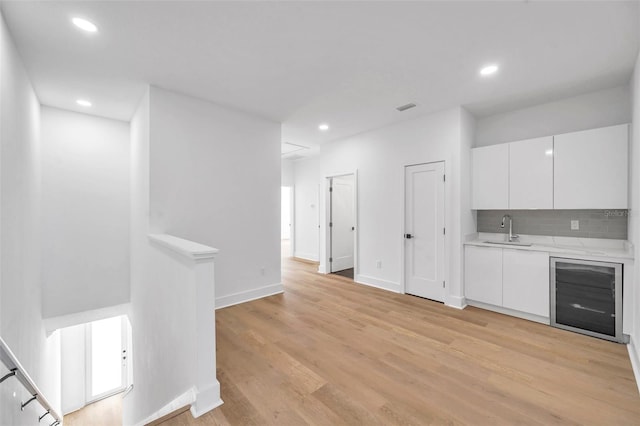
(483,274)
(514,279)
(525,281)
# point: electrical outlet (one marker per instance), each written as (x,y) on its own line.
(379,264)
(575,225)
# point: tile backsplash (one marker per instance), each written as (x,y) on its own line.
(610,224)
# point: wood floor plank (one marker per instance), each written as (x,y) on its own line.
(329,351)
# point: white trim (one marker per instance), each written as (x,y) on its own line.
(206,400)
(510,312)
(356,234)
(306,256)
(378,283)
(54,323)
(189,249)
(635,360)
(456,302)
(73,410)
(187,398)
(248,295)
(292,218)
(322,269)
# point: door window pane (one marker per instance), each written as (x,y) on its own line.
(106,348)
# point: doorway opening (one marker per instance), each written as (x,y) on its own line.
(96,361)
(342,225)
(425,231)
(286,221)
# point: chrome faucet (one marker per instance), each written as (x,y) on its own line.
(512,236)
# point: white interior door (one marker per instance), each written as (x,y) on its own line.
(106,358)
(342,222)
(424,230)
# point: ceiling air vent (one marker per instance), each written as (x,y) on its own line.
(405,107)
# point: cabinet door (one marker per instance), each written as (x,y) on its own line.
(531,174)
(491,177)
(483,274)
(590,169)
(525,281)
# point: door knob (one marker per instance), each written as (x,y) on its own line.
(408,236)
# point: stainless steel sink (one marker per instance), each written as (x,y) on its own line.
(509,243)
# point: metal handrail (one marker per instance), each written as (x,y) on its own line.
(16,369)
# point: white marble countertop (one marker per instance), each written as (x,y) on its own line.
(591,247)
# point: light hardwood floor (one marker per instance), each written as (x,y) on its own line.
(106,412)
(330,352)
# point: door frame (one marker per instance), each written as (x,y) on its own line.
(292,219)
(447,235)
(325,267)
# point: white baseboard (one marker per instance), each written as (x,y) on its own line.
(456,302)
(187,398)
(378,283)
(206,400)
(322,269)
(635,360)
(510,312)
(73,409)
(248,295)
(306,256)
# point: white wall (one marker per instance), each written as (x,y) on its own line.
(72,343)
(287,173)
(215,179)
(468,217)
(210,175)
(379,156)
(162,321)
(85,194)
(20,190)
(588,111)
(307,208)
(143,326)
(634,212)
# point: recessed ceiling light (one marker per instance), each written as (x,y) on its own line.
(324,127)
(85,25)
(83,102)
(489,70)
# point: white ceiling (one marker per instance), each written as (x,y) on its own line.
(345,63)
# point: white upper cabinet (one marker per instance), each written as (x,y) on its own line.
(531,174)
(590,169)
(491,177)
